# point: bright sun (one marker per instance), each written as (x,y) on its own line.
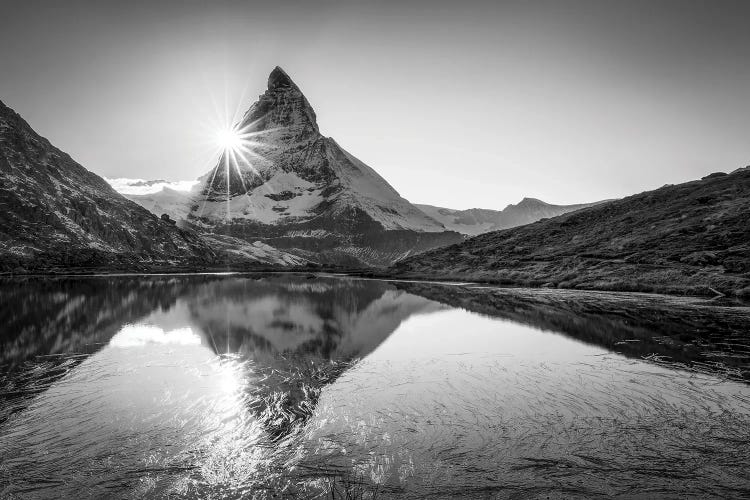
(229,139)
(238,149)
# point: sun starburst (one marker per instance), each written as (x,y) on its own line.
(229,139)
(238,148)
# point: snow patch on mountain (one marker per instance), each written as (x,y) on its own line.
(368,190)
(284,196)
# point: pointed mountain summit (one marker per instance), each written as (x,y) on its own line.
(304,192)
(278,78)
(282,105)
(281,116)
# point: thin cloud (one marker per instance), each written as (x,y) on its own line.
(142,186)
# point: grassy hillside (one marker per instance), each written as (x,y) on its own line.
(691,238)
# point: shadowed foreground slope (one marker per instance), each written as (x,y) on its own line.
(690,238)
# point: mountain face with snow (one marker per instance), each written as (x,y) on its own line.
(55,214)
(476,221)
(300,191)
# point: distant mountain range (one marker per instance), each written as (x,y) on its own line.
(686,238)
(476,221)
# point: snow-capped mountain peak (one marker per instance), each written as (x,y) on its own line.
(289,172)
(289,183)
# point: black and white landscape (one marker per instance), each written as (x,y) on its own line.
(535,283)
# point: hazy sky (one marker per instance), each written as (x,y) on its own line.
(460,104)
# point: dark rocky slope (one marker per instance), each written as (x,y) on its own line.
(56,214)
(691,238)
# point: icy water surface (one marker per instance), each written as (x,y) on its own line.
(284,386)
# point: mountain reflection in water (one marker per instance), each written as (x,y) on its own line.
(295,386)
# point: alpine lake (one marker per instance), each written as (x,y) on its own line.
(327,386)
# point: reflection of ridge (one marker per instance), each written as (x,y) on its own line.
(677,333)
(344,320)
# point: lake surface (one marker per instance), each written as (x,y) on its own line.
(295,386)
